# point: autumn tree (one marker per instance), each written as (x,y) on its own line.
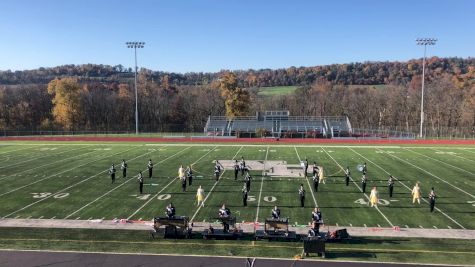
(236,98)
(67,102)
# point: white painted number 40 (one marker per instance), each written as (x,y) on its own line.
(381,201)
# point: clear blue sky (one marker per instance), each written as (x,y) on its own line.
(210,35)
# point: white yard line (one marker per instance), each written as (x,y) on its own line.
(128,180)
(351,178)
(173,180)
(40,157)
(431,174)
(73,185)
(455,155)
(16,150)
(308,182)
(56,174)
(262,183)
(443,162)
(214,185)
(55,162)
(407,187)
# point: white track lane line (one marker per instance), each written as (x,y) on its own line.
(308,182)
(431,174)
(199,208)
(173,180)
(73,185)
(407,187)
(128,180)
(262,183)
(377,208)
(55,162)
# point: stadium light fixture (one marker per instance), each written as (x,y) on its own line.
(136,45)
(425,42)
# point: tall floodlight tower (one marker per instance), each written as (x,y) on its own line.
(136,45)
(425,42)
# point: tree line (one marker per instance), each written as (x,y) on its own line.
(102,98)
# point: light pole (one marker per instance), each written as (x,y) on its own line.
(425,42)
(136,45)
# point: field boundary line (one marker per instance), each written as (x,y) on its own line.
(73,185)
(166,186)
(306,178)
(443,162)
(408,188)
(125,182)
(40,157)
(46,165)
(431,174)
(377,208)
(56,174)
(262,183)
(211,190)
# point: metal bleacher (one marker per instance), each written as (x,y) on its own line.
(279,124)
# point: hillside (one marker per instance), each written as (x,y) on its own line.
(367,73)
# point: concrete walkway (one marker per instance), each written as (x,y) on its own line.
(246,227)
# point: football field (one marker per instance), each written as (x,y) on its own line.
(71,181)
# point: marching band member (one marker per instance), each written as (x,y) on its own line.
(316,219)
(236,170)
(248,179)
(112,173)
(181,172)
(200,196)
(347,175)
(123,167)
(302,195)
(242,166)
(170,212)
(189,175)
(305,166)
(373,197)
(140,179)
(150,168)
(315,169)
(275,213)
(244,195)
(363,183)
(217,169)
(224,213)
(432,197)
(391,185)
(416,194)
(315,182)
(321,177)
